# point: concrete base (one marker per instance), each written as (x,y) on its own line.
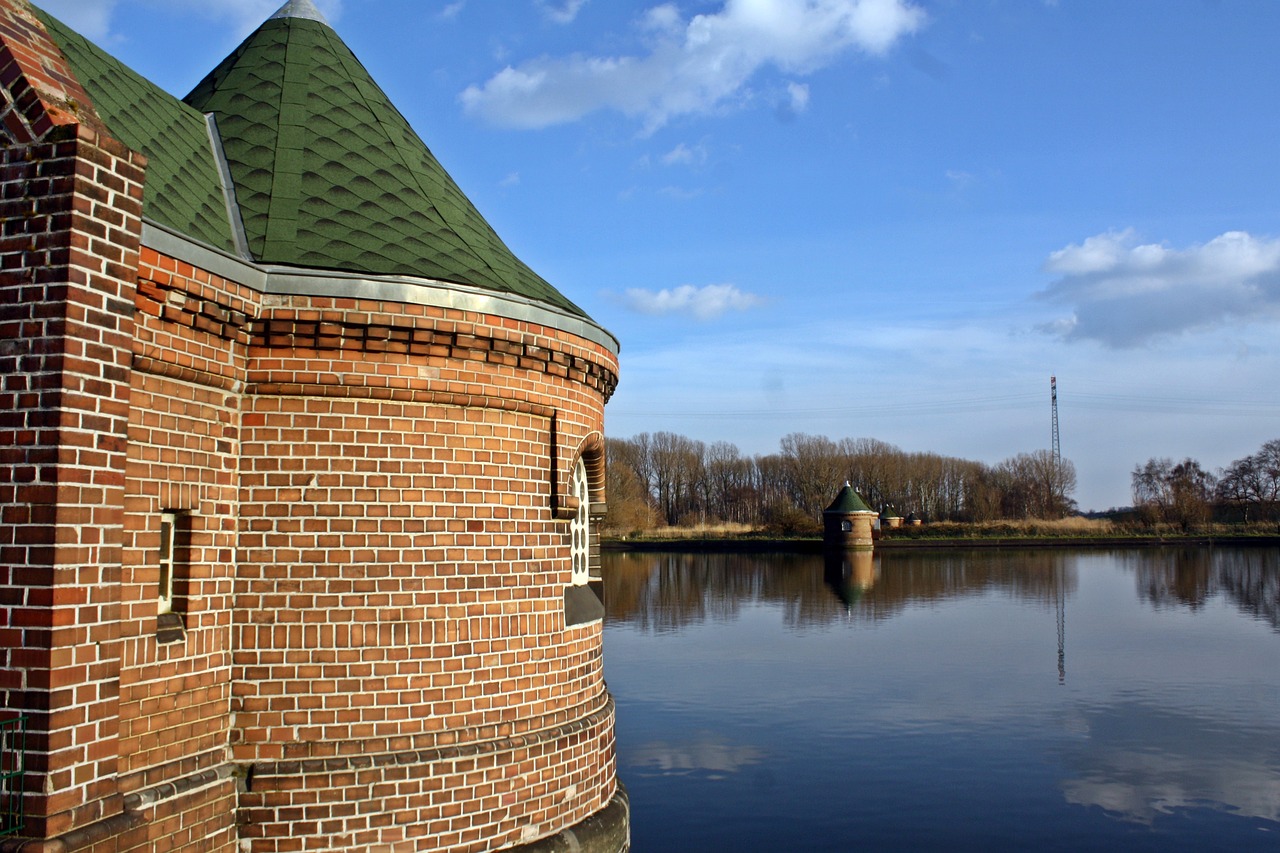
(606,831)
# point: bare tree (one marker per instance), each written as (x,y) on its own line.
(630,507)
(811,464)
(685,481)
(677,470)
(1176,494)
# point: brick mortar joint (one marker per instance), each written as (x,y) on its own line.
(399,394)
(594,719)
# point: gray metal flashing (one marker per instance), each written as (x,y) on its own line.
(238,236)
(435,294)
(294,281)
(166,241)
(300,9)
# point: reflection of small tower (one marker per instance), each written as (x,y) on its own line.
(850,573)
(846,524)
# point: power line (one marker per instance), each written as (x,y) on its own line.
(1098,402)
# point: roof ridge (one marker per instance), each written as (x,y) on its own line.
(300,9)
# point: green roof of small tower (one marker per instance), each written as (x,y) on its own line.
(848,501)
(329,174)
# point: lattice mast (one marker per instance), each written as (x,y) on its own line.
(1056,448)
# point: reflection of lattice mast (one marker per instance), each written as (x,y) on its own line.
(1057,446)
(1062,627)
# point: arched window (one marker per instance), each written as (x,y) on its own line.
(580,527)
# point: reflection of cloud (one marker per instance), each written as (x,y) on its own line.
(709,755)
(693,66)
(1174,760)
(1139,786)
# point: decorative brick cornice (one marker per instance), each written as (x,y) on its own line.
(421,340)
(193,311)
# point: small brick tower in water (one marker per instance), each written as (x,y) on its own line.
(301,468)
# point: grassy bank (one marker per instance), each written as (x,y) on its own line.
(1067,532)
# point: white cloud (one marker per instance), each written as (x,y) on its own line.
(693,66)
(246,15)
(453,10)
(1124,293)
(685,155)
(703,303)
(799,94)
(681,193)
(564,13)
(91,18)
(511,180)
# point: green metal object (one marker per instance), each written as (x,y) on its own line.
(13,766)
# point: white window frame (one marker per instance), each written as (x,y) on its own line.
(580,527)
(168,561)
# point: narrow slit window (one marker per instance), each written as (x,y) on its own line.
(168,557)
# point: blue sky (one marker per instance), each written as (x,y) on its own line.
(859,218)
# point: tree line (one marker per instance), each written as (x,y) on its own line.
(1186,495)
(669,479)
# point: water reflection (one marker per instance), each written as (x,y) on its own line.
(920,685)
(705,752)
(1178,761)
(664,592)
(1192,577)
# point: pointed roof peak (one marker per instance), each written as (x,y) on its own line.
(329,175)
(304,9)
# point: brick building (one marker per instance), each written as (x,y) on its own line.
(300,467)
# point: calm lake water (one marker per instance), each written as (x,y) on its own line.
(961,700)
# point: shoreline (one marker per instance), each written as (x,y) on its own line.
(815,545)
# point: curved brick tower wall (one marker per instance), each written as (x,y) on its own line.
(404,677)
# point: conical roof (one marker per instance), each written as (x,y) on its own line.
(848,501)
(328,174)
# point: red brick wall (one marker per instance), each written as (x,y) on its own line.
(400,610)
(71,212)
(175,690)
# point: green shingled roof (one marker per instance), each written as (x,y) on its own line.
(183,189)
(848,501)
(330,175)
